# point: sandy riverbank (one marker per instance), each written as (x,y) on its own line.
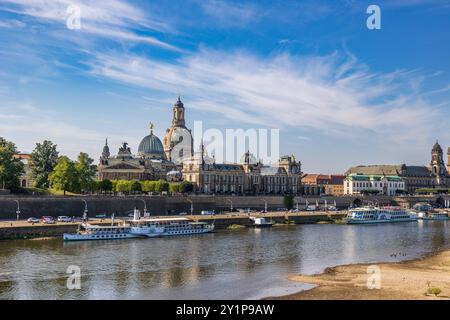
(403,280)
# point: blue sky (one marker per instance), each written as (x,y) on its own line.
(341,94)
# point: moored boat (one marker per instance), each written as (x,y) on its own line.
(367,215)
(261,222)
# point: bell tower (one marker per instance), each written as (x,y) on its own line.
(437,166)
(448,160)
(178,114)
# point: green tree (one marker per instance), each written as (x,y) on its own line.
(186,187)
(123,186)
(135,186)
(288,202)
(85,170)
(106,185)
(149,186)
(64,176)
(161,186)
(10,167)
(43,161)
(174,187)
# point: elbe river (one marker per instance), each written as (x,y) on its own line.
(238,264)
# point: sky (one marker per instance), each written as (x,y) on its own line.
(340,93)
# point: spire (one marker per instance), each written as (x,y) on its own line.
(106,142)
(152,126)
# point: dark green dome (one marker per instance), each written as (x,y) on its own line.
(151,147)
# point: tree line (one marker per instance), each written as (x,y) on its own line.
(49,170)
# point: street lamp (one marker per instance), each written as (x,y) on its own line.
(192,206)
(231,206)
(18,210)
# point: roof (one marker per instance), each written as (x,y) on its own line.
(151,145)
(272,171)
(227,167)
(400,170)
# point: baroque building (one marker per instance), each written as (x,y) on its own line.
(248,177)
(437,167)
(415,177)
(178,141)
(149,164)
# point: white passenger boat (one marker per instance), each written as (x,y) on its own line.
(140,228)
(366,215)
(94,232)
(435,216)
(169,227)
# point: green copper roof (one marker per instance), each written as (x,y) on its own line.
(150,145)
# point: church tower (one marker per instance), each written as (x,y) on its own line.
(178,141)
(448,160)
(437,166)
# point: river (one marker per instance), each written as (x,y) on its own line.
(238,264)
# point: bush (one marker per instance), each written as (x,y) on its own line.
(434,290)
(186,187)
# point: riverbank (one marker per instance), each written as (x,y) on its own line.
(407,280)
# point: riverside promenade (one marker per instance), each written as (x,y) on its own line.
(24,230)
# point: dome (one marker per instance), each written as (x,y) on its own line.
(437,147)
(151,147)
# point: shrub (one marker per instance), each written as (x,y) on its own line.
(434,290)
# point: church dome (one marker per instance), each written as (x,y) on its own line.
(151,147)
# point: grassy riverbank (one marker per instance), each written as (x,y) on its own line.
(416,279)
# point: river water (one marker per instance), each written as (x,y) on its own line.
(238,264)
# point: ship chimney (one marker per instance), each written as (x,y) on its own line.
(137,214)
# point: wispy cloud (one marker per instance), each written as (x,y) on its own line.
(114,19)
(230,13)
(334,94)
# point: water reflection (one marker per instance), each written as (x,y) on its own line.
(247,263)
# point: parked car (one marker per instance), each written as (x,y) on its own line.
(33,220)
(207,213)
(47,220)
(183,213)
(64,219)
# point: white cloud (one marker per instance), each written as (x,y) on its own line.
(229,14)
(333,94)
(12,24)
(113,19)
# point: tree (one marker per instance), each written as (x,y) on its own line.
(162,186)
(122,186)
(135,186)
(85,170)
(288,201)
(186,187)
(64,176)
(43,160)
(10,167)
(174,187)
(106,185)
(149,186)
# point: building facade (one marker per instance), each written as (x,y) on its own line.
(415,177)
(249,177)
(26,179)
(154,159)
(383,185)
(316,184)
(178,141)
